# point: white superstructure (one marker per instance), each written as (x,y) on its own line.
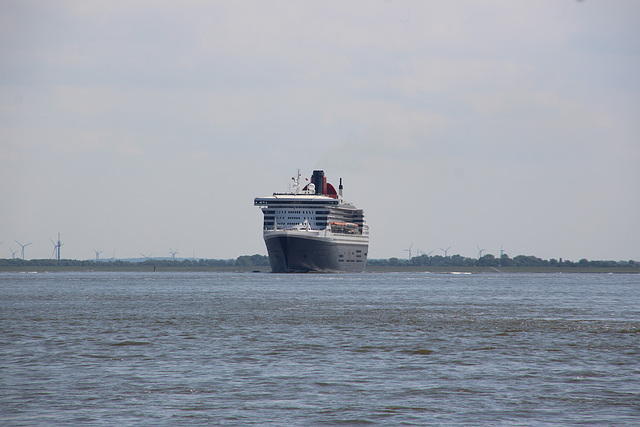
(314,229)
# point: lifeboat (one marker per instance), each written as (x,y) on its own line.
(344,227)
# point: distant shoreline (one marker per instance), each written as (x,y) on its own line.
(260,264)
(497,270)
(107,267)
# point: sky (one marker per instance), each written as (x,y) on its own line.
(136,127)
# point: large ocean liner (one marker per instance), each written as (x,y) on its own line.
(312,229)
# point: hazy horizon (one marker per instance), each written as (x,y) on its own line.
(136,127)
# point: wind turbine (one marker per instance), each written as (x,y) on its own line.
(409,250)
(445,251)
(98,252)
(13,253)
(146,256)
(480,251)
(421,252)
(173,253)
(56,248)
(23,246)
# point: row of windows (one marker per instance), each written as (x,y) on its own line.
(307,212)
(317,225)
(295,218)
(358,254)
(301,212)
(278,203)
(317,218)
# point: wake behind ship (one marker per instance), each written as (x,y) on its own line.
(312,229)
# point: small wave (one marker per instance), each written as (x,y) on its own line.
(99,357)
(628,331)
(324,384)
(370,348)
(96,356)
(125,343)
(422,351)
(401,408)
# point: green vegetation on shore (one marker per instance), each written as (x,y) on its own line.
(242,263)
(487,263)
(491,261)
(260,263)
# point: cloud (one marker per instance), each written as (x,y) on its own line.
(143,124)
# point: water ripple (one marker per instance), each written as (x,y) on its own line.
(382,349)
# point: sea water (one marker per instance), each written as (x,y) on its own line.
(265,349)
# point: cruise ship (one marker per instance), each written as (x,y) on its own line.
(312,229)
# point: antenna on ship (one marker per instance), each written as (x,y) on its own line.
(23,246)
(98,252)
(340,189)
(296,183)
(445,251)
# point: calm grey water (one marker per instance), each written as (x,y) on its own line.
(387,349)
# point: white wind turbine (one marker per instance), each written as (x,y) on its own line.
(54,254)
(98,252)
(480,251)
(56,248)
(445,251)
(23,246)
(409,250)
(173,253)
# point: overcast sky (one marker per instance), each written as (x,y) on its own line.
(139,126)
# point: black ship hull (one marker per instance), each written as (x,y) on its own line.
(300,254)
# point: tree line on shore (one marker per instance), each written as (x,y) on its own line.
(492,261)
(262,260)
(241,261)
